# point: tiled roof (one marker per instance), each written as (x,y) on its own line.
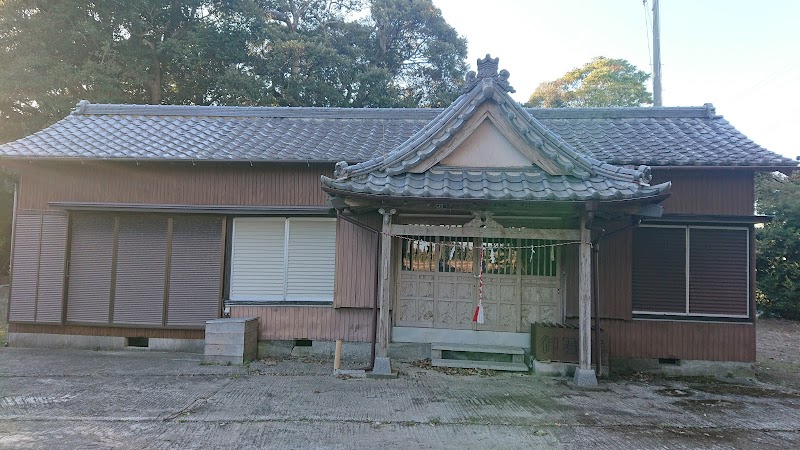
(522,185)
(627,136)
(555,171)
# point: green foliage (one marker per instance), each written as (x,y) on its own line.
(225,52)
(602,82)
(778,250)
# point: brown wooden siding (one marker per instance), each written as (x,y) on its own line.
(356,249)
(570,269)
(614,267)
(681,340)
(106,331)
(708,191)
(309,322)
(171,183)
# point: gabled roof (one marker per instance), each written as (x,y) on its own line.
(553,170)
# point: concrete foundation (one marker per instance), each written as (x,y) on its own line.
(685,367)
(585,377)
(554,369)
(176,345)
(350,350)
(70,341)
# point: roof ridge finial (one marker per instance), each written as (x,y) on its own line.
(80,108)
(487,70)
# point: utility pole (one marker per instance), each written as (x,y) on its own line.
(656,57)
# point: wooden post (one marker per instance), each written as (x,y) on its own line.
(337,356)
(382,363)
(584,375)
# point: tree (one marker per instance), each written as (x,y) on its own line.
(224,52)
(56,52)
(778,250)
(602,82)
(402,54)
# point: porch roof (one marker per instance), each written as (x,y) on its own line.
(544,167)
(524,185)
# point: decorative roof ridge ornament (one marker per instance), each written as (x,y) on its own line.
(487,69)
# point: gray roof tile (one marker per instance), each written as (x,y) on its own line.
(528,185)
(622,136)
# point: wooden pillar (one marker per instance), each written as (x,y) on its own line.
(382,363)
(584,375)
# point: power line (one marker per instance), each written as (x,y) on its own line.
(647,33)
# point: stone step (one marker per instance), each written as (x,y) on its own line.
(487,365)
(478,348)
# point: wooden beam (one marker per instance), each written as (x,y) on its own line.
(585,297)
(585,375)
(384,283)
(523,233)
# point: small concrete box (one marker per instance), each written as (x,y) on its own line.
(231,340)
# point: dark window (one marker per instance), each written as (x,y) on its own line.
(717,267)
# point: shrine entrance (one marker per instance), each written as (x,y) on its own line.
(439,276)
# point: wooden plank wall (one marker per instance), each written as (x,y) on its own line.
(171,183)
(309,322)
(107,331)
(355,263)
(615,270)
(723,192)
(681,340)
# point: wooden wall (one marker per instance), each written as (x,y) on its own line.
(309,322)
(681,340)
(107,331)
(233,184)
(707,192)
(356,249)
(718,192)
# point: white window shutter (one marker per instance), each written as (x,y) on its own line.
(312,259)
(257,259)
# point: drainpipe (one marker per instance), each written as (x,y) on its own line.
(374,342)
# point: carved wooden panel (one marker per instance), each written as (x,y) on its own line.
(501,307)
(415,300)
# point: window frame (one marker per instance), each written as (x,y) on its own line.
(687,269)
(285,298)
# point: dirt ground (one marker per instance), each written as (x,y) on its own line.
(778,352)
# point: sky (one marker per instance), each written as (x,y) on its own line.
(741,56)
